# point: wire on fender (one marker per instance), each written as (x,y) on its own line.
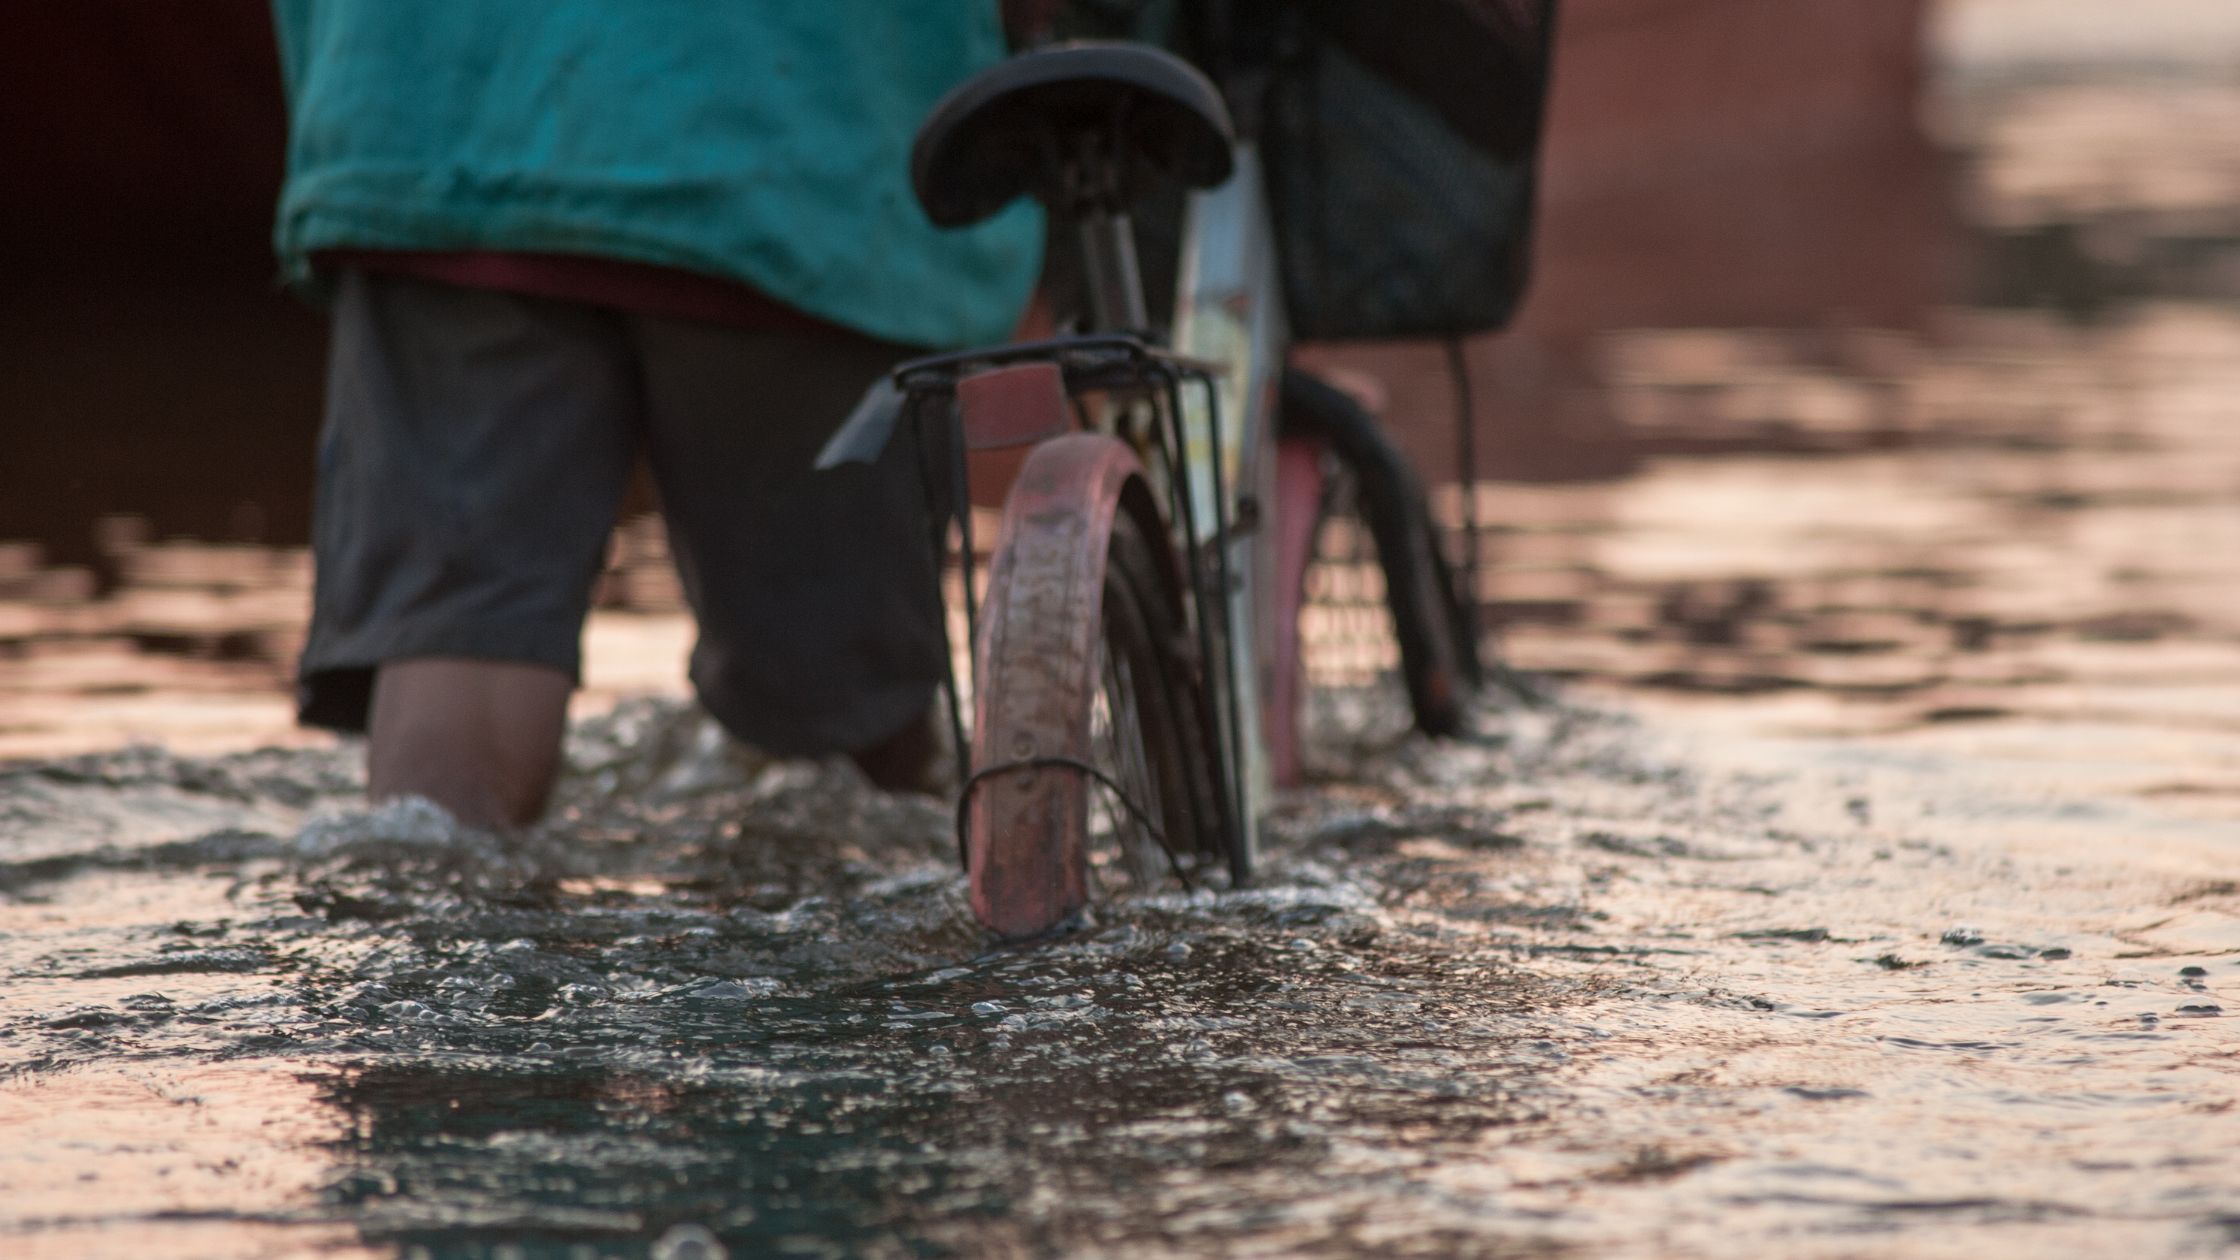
(1054,762)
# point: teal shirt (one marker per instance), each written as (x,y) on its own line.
(764,141)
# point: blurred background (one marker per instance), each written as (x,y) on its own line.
(1878,378)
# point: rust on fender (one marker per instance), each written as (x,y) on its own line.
(1035,676)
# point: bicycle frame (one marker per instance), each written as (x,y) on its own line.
(1190,416)
(1229,311)
(1229,338)
(1156,502)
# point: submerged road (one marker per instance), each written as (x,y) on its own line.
(1575,988)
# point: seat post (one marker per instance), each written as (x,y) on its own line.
(1108,254)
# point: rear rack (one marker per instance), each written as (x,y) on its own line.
(1090,361)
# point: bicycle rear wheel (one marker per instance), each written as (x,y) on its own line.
(1092,745)
(1435,628)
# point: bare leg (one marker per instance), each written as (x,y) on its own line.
(480,738)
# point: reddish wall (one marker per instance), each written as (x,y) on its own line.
(1740,162)
(1708,162)
(146,362)
(139,140)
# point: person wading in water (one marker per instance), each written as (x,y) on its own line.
(556,237)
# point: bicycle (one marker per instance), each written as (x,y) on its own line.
(1137,646)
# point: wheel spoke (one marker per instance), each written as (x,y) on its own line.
(1124,852)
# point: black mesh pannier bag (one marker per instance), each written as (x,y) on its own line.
(1401,138)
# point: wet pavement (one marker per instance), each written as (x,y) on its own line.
(1870,891)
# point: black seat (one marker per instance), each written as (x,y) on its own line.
(1008,130)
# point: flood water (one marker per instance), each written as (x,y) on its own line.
(1869,890)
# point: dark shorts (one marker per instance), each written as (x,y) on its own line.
(477,445)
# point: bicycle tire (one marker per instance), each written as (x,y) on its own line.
(1043,837)
(1435,631)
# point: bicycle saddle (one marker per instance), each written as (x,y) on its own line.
(1019,127)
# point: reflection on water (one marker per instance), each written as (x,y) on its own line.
(2029,517)
(1905,924)
(2025,528)
(172,1144)
(2043,526)
(1560,988)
